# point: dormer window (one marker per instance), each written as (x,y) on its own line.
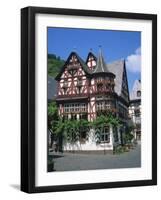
(138,93)
(99,87)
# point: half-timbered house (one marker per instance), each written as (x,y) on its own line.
(87,89)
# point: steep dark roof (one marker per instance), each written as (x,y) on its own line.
(117,68)
(136,87)
(83,64)
(52,86)
(101,65)
(85,67)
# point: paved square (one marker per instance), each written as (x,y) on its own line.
(74,161)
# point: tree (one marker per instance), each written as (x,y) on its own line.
(53,119)
(54,64)
(128,136)
(71,129)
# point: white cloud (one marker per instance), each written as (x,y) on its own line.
(133,61)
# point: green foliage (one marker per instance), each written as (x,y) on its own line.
(53,117)
(128,136)
(50,164)
(51,56)
(120,149)
(54,64)
(83,125)
(71,129)
(50,159)
(105,120)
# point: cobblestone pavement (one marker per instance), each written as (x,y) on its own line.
(73,161)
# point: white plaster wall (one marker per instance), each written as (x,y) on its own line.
(90,144)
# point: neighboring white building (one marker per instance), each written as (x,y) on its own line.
(135,109)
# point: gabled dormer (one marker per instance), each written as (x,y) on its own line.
(73,77)
(91,61)
(136,91)
(72,65)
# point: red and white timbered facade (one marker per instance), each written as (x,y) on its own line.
(88,89)
(82,94)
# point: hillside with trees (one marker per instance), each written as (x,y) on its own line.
(54,64)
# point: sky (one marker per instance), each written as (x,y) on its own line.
(115,45)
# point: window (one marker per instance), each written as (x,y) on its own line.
(138,93)
(83,107)
(72,108)
(137,112)
(103,105)
(105,135)
(75,107)
(100,106)
(108,105)
(99,87)
(66,108)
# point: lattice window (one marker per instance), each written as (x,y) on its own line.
(104,105)
(105,135)
(75,107)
